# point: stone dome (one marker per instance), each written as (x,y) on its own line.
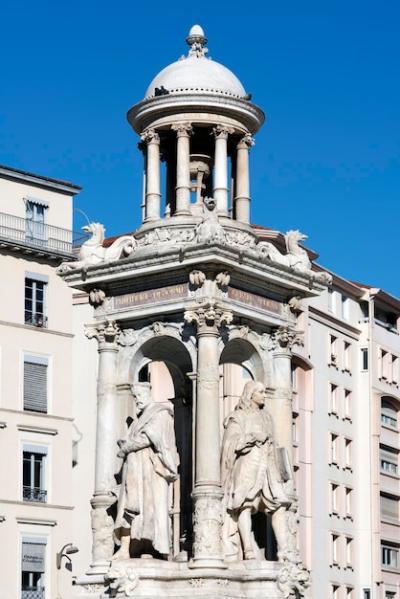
(196,73)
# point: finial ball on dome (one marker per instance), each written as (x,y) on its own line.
(196,36)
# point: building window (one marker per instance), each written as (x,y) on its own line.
(395,370)
(390,555)
(388,414)
(335,591)
(333,358)
(335,548)
(35,384)
(389,507)
(334,398)
(366,593)
(331,298)
(334,452)
(349,552)
(347,404)
(33,568)
(35,302)
(35,214)
(390,595)
(345,308)
(388,460)
(364,358)
(334,498)
(348,446)
(294,378)
(294,427)
(349,502)
(347,356)
(34,473)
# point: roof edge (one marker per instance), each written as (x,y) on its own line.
(39,180)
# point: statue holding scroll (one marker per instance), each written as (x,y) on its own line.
(250,476)
(150,464)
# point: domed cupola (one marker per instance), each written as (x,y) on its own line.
(196,73)
(196,122)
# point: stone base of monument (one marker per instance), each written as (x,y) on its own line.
(151,579)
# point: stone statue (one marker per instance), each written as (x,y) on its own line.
(250,476)
(210,230)
(93,252)
(296,257)
(150,464)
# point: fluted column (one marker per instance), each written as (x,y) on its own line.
(183,131)
(220,190)
(153,192)
(207,495)
(242,195)
(106,448)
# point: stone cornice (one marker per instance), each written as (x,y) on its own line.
(141,115)
(233,258)
(334,323)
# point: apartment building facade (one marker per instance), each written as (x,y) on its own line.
(36,418)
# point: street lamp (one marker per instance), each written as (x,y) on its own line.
(66,551)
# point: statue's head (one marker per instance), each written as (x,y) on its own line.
(209,203)
(142,394)
(96,229)
(253,396)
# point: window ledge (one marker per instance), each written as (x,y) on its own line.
(387,427)
(37,429)
(389,474)
(392,522)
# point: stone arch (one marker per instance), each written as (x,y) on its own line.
(176,357)
(390,411)
(244,353)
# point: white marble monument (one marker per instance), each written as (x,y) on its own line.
(189,500)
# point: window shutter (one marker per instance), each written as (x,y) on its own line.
(35,387)
(389,507)
(33,556)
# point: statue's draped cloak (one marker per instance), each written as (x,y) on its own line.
(250,475)
(148,469)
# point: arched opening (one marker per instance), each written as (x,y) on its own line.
(165,363)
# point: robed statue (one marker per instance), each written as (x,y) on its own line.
(150,465)
(251,477)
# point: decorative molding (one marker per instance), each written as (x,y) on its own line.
(17,325)
(96,297)
(150,136)
(35,521)
(183,129)
(105,333)
(222,131)
(35,414)
(246,142)
(210,315)
(37,429)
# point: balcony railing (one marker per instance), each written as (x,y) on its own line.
(36,320)
(34,494)
(38,236)
(32,593)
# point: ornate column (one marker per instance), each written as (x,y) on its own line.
(242,196)
(220,190)
(281,342)
(106,449)
(207,495)
(183,131)
(153,193)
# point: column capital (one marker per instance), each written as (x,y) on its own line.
(183,129)
(283,338)
(222,131)
(106,334)
(208,318)
(246,142)
(150,136)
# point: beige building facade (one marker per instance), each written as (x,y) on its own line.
(36,418)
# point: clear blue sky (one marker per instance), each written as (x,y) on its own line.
(326,73)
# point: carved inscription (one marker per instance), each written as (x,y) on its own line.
(257,301)
(151,296)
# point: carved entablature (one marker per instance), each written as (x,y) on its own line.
(214,286)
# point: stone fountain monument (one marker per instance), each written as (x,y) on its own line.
(183,496)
